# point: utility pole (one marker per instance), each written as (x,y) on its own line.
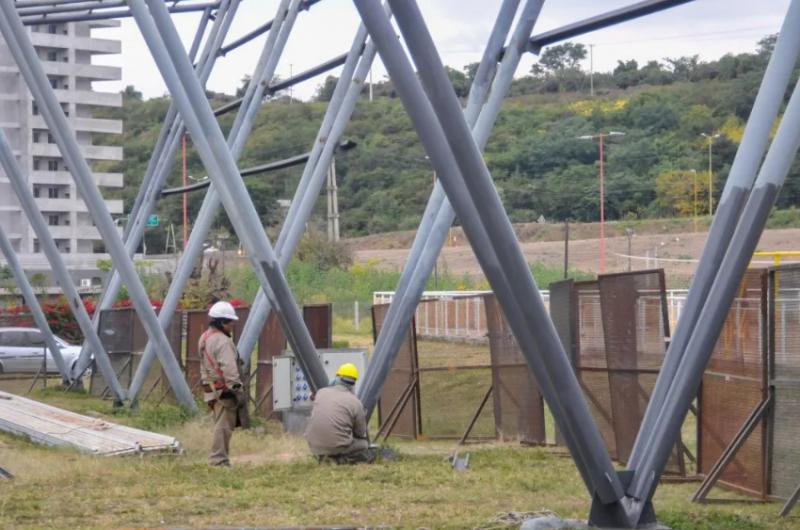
(333,203)
(370,85)
(601,137)
(591,70)
(566,248)
(710,138)
(185,194)
(290,86)
(629,233)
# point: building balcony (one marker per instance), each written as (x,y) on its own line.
(65,231)
(91,152)
(95,72)
(114,206)
(95,125)
(60,205)
(88,97)
(99,46)
(64,178)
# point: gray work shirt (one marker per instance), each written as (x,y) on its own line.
(337,418)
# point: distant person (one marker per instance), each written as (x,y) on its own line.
(222,382)
(337,428)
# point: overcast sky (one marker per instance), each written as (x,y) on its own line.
(708,28)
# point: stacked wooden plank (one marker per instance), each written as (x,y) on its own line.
(57,427)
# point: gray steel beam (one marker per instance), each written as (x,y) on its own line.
(611,18)
(337,116)
(244,39)
(111,13)
(264,69)
(17,39)
(160,164)
(219,159)
(205,217)
(255,170)
(28,203)
(489,231)
(428,242)
(737,187)
(431,234)
(745,238)
(171,116)
(327,66)
(32,302)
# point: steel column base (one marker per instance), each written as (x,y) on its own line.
(615,515)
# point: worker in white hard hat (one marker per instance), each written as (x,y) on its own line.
(222,382)
(337,428)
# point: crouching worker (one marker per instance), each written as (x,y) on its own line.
(337,428)
(222,383)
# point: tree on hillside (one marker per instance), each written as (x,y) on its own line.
(460,81)
(675,192)
(561,63)
(130,92)
(325,90)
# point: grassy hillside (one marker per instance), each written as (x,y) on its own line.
(539,164)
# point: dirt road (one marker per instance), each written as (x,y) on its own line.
(677,253)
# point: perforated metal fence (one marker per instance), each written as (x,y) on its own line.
(124,338)
(518,404)
(785,355)
(462,391)
(615,330)
(734,385)
(399,405)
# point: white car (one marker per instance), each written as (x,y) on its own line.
(22,349)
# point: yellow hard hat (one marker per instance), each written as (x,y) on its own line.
(348,372)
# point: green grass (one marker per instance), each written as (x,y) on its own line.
(275,482)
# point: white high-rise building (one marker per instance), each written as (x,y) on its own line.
(66,51)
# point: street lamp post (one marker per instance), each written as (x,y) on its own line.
(710,138)
(600,137)
(694,174)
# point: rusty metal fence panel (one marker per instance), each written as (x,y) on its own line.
(399,404)
(615,330)
(591,364)
(271,343)
(635,327)
(125,339)
(785,355)
(319,320)
(734,385)
(196,324)
(518,404)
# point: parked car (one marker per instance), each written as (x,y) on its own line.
(22,351)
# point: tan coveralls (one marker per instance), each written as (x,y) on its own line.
(337,427)
(225,368)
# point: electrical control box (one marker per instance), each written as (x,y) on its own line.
(291,390)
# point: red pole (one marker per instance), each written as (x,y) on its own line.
(602,211)
(185,195)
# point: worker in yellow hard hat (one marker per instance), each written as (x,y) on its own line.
(337,428)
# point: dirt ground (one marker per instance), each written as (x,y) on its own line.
(676,251)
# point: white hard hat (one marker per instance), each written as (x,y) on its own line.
(223,310)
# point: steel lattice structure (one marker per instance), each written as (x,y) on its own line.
(453,138)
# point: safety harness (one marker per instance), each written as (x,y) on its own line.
(219,384)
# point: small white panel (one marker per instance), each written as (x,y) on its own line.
(282,375)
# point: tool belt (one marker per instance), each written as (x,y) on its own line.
(217,385)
